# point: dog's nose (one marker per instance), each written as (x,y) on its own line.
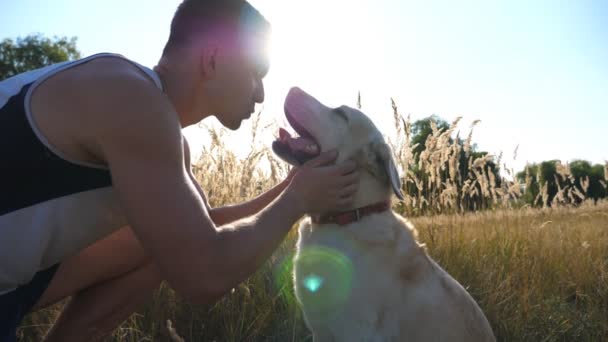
(298,93)
(294,91)
(294,96)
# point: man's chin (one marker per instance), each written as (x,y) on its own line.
(233,126)
(233,122)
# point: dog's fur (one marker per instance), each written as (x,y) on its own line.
(372,280)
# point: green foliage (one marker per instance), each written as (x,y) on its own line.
(581,169)
(421,129)
(34,51)
(576,179)
(529,177)
(547,175)
(469,182)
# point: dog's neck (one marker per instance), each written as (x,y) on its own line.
(371,192)
(347,217)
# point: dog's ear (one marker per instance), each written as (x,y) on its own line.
(378,160)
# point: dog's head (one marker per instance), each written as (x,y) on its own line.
(345,129)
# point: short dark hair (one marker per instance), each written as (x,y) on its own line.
(193,19)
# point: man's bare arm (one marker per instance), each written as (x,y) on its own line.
(231,213)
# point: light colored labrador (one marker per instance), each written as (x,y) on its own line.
(363,276)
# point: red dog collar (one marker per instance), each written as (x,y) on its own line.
(351,216)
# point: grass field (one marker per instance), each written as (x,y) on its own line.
(539,274)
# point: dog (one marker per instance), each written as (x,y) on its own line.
(360,275)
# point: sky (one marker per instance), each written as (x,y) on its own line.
(534,72)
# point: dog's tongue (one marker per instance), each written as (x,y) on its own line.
(300,144)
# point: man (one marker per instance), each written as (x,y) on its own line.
(98,200)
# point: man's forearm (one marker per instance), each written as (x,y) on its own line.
(243,246)
(231,213)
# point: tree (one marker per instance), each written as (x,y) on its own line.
(529,177)
(34,51)
(421,129)
(583,172)
(578,180)
(548,172)
(434,178)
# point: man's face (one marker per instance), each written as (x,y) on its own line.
(237,85)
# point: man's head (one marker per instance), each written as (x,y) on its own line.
(218,49)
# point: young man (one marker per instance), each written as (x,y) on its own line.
(98,200)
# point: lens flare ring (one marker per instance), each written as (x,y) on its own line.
(324,279)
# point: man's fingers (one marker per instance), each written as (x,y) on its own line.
(350,178)
(349,191)
(345,203)
(324,158)
(347,167)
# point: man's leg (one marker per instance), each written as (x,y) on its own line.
(107,281)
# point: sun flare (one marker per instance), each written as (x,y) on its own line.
(328,46)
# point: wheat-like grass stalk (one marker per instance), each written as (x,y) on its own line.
(172,333)
(585,184)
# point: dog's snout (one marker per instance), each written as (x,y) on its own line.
(299,100)
(298,93)
(295,90)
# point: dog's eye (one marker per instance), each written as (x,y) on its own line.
(341,113)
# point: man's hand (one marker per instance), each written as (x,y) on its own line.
(318,187)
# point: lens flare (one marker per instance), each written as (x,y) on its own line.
(313,282)
(324,279)
(323,276)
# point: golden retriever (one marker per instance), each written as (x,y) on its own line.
(361,275)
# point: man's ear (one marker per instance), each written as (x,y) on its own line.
(378,160)
(208,61)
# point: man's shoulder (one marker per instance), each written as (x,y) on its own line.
(111,86)
(106,78)
(77,104)
(109,74)
(111,98)
(113,65)
(122,99)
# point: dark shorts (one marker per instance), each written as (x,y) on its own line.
(17,303)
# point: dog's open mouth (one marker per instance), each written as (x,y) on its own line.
(295,150)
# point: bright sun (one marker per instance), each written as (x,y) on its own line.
(328,46)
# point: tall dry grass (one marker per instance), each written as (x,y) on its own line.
(538,274)
(435,181)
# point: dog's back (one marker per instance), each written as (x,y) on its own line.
(371,281)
